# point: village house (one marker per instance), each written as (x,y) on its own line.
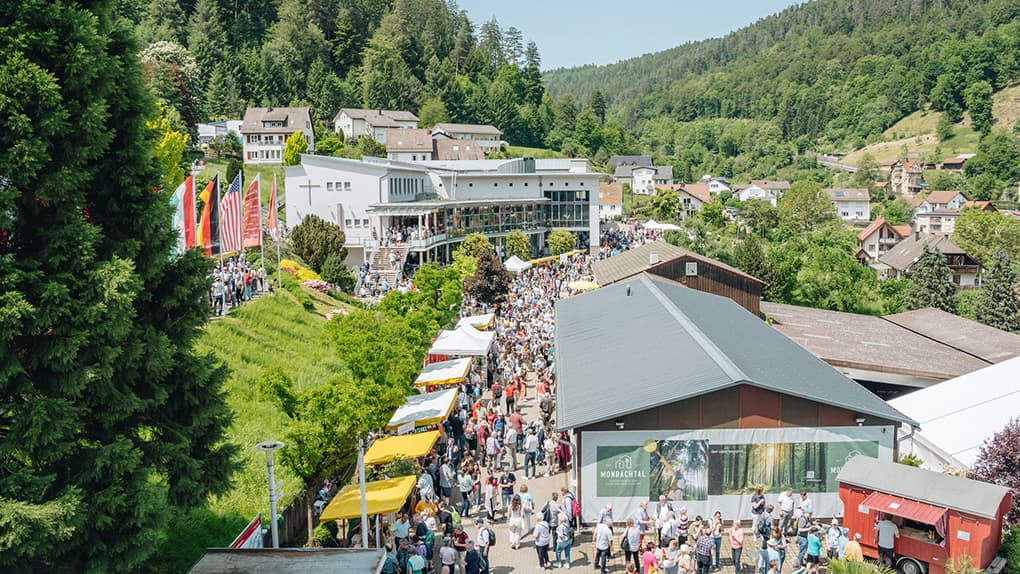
(943,200)
(610,200)
(852,205)
(409,144)
(716,185)
(449,150)
(643,179)
(486,136)
(777,188)
(693,197)
(907,177)
(264,132)
(901,259)
(955,163)
(353,123)
(753,191)
(631,160)
(877,239)
(937,213)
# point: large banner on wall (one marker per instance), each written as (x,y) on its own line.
(709,470)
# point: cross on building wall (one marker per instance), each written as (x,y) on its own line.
(308,185)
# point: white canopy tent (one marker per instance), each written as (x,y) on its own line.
(465,341)
(424,410)
(444,373)
(652,224)
(480,322)
(957,415)
(516,264)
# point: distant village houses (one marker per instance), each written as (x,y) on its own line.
(354,123)
(851,204)
(610,200)
(265,131)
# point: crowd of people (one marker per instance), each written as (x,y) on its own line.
(234,281)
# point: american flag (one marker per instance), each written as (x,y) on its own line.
(230,216)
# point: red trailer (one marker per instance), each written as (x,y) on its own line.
(940,517)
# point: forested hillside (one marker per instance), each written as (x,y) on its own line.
(208,59)
(830,75)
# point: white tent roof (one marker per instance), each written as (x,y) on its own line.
(477,321)
(443,372)
(424,409)
(516,264)
(465,341)
(957,415)
(652,224)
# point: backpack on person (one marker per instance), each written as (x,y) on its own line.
(529,505)
(765,527)
(575,507)
(492,536)
(547,513)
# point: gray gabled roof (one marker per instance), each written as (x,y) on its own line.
(945,490)
(648,342)
(639,259)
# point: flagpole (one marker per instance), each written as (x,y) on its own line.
(219,217)
(279,234)
(262,242)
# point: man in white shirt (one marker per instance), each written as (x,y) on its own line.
(602,539)
(482,541)
(530,453)
(785,502)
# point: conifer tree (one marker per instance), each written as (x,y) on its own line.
(931,283)
(999,306)
(109,415)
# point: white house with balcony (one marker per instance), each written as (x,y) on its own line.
(753,191)
(264,132)
(851,204)
(353,123)
(435,204)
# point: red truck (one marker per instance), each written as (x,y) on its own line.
(940,517)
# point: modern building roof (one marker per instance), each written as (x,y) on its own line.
(906,253)
(680,343)
(629,160)
(944,490)
(867,347)
(847,194)
(458,150)
(404,140)
(957,415)
(986,343)
(610,193)
(290,560)
(944,196)
(468,129)
(634,261)
(379,118)
(293,119)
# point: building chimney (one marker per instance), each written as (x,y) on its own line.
(653,258)
(270,108)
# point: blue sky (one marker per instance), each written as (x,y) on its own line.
(577,32)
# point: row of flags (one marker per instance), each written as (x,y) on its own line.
(227,224)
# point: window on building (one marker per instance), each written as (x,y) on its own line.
(329,186)
(845,213)
(347,222)
(347,186)
(364,222)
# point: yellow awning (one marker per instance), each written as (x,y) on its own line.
(408,446)
(444,373)
(381,497)
(556,258)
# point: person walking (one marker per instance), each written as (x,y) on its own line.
(447,555)
(814,550)
(703,548)
(515,521)
(564,540)
(472,559)
(483,542)
(602,540)
(528,506)
(531,454)
(630,543)
(736,544)
(671,558)
(543,536)
(650,559)
(757,509)
(716,527)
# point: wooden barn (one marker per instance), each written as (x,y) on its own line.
(685,267)
(940,517)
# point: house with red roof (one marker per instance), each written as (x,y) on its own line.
(878,238)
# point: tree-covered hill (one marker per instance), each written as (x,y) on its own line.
(832,73)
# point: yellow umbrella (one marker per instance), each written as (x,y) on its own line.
(583,285)
(408,446)
(381,497)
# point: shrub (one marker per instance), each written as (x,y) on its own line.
(335,272)
(1010,550)
(911,459)
(315,239)
(561,241)
(274,385)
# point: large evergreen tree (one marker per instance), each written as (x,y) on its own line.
(931,283)
(108,415)
(999,306)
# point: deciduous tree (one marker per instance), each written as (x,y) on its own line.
(805,207)
(980,233)
(517,243)
(666,203)
(294,147)
(491,281)
(561,241)
(998,462)
(476,245)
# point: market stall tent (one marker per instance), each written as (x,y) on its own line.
(381,497)
(956,416)
(444,373)
(408,446)
(424,410)
(465,341)
(516,264)
(480,322)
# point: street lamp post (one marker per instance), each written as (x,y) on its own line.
(361,487)
(269,447)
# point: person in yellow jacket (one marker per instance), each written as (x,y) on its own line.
(853,552)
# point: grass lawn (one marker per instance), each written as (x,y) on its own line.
(636,205)
(272,330)
(250,171)
(537,153)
